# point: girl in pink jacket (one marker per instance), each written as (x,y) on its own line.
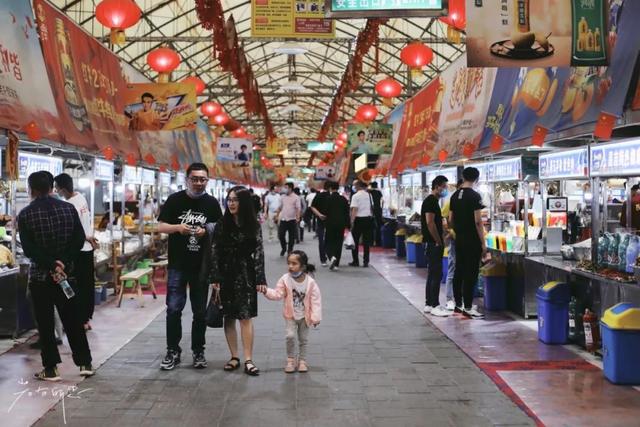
(302,306)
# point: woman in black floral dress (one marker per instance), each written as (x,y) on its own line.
(237,270)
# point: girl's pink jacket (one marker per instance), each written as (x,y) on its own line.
(312,299)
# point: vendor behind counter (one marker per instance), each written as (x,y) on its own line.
(635,209)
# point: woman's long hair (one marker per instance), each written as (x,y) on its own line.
(247,220)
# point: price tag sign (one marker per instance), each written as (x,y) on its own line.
(564,164)
(617,159)
(29,163)
(103,170)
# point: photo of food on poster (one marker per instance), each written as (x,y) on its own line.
(238,151)
(372,138)
(160,106)
(517,33)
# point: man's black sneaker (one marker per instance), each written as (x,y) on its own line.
(354,264)
(365,265)
(48,374)
(199,362)
(458,310)
(170,361)
(282,252)
(87,371)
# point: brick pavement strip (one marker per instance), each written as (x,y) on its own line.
(375,361)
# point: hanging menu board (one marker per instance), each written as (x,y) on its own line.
(102,170)
(564,164)
(148,177)
(165,179)
(617,159)
(504,170)
(132,175)
(29,163)
(450,173)
(290,19)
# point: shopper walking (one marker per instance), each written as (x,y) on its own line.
(52,236)
(378,203)
(302,307)
(185,216)
(237,270)
(451,265)
(272,204)
(336,221)
(85,267)
(257,202)
(320,211)
(303,209)
(466,219)
(288,217)
(433,236)
(309,217)
(362,222)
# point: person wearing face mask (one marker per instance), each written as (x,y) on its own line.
(288,217)
(188,216)
(433,236)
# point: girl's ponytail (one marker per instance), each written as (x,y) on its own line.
(304,261)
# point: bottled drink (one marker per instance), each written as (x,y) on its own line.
(66,288)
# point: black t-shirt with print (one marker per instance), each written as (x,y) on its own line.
(430,205)
(185,252)
(464,203)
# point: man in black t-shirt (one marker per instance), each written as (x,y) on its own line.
(185,216)
(433,236)
(466,219)
(320,211)
(336,221)
(376,196)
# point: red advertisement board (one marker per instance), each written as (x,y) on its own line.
(87,83)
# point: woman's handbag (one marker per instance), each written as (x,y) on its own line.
(214,311)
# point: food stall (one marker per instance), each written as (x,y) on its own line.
(132,241)
(164,187)
(147,208)
(103,189)
(411,193)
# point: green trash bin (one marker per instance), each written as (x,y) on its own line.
(144,264)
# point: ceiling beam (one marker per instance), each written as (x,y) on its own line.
(251,40)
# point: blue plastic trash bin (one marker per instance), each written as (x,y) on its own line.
(620,328)
(553,312)
(421,259)
(401,250)
(411,252)
(388,235)
(103,295)
(97,295)
(495,293)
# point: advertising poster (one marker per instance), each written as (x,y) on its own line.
(186,145)
(25,96)
(467,93)
(374,138)
(160,106)
(327,172)
(290,19)
(567,100)
(205,143)
(86,80)
(160,145)
(419,127)
(540,33)
(236,150)
(276,145)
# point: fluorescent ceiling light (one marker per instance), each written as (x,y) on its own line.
(290,48)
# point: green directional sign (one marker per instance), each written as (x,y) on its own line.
(384,8)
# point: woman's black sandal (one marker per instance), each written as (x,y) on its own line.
(250,368)
(231,366)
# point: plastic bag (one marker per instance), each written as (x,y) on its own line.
(349,243)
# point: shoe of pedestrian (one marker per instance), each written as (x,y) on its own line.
(199,362)
(324,264)
(451,305)
(87,370)
(35,345)
(170,361)
(354,264)
(334,263)
(303,367)
(291,366)
(48,374)
(282,252)
(365,265)
(458,310)
(427,309)
(440,311)
(58,341)
(472,313)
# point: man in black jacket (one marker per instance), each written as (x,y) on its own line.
(52,236)
(337,220)
(319,210)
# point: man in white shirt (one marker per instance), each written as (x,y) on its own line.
(361,222)
(309,217)
(272,203)
(288,217)
(85,263)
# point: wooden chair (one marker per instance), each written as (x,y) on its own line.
(135,276)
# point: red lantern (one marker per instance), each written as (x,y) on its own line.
(150,159)
(220,119)
(388,88)
(343,136)
(366,113)
(457,15)
(197,82)
(33,131)
(239,133)
(416,55)
(426,159)
(163,168)
(210,109)
(163,60)
(414,164)
(468,149)
(131,159)
(108,152)
(442,156)
(496,143)
(118,15)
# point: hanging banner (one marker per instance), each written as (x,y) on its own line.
(374,138)
(419,124)
(467,93)
(327,172)
(276,145)
(206,143)
(543,33)
(25,96)
(160,145)
(86,80)
(236,150)
(186,145)
(160,106)
(290,19)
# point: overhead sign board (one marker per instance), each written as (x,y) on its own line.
(132,175)
(103,170)
(290,19)
(617,159)
(320,146)
(165,179)
(180,178)
(148,177)
(482,168)
(384,8)
(450,173)
(29,163)
(504,170)
(564,164)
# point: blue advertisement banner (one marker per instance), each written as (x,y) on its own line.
(29,163)
(567,100)
(504,170)
(618,159)
(103,170)
(564,164)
